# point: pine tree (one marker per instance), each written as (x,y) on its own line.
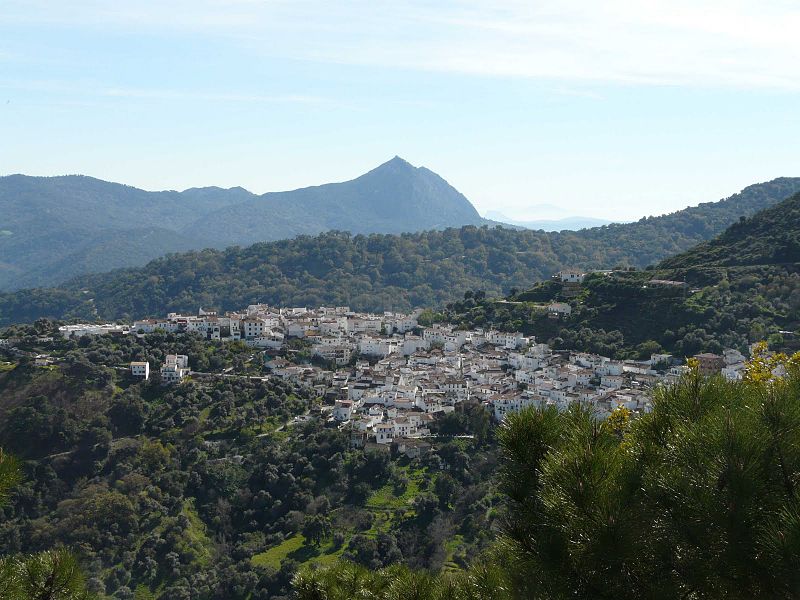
(697,499)
(50,575)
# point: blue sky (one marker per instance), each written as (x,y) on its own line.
(613,109)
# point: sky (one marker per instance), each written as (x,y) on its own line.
(536,109)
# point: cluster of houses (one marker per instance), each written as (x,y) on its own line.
(174,369)
(386,378)
(80,330)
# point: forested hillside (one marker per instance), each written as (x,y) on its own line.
(770,237)
(210,489)
(53,228)
(377,272)
(696,499)
(656,238)
(741,287)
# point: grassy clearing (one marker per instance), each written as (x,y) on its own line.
(453,547)
(388,506)
(328,556)
(275,555)
(387,498)
(196,533)
(143,593)
(297,549)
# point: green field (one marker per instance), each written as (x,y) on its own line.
(388,506)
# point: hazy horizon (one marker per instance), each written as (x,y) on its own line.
(534,212)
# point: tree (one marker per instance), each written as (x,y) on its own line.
(445,489)
(347,581)
(697,499)
(316,528)
(51,575)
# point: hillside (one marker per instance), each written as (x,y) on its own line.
(396,197)
(655,238)
(54,228)
(741,287)
(376,272)
(769,237)
(209,489)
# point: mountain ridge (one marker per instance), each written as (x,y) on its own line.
(769,237)
(378,271)
(394,197)
(68,211)
(367,271)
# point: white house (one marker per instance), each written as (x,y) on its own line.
(370,346)
(611,381)
(343,410)
(339,353)
(559,309)
(253,327)
(414,343)
(141,369)
(175,368)
(505,339)
(571,276)
(384,433)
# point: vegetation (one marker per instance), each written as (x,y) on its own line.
(379,272)
(739,288)
(697,499)
(57,227)
(771,237)
(49,575)
(623,315)
(209,489)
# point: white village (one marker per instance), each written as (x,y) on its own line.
(385,378)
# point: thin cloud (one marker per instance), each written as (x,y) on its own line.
(156,94)
(94,90)
(739,43)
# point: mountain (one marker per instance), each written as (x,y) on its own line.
(53,228)
(741,287)
(573,223)
(380,272)
(395,197)
(771,237)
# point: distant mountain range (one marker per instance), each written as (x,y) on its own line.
(53,228)
(573,223)
(381,272)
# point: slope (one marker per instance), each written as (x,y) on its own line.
(395,197)
(770,237)
(741,287)
(45,219)
(53,228)
(380,271)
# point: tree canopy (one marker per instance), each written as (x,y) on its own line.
(697,499)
